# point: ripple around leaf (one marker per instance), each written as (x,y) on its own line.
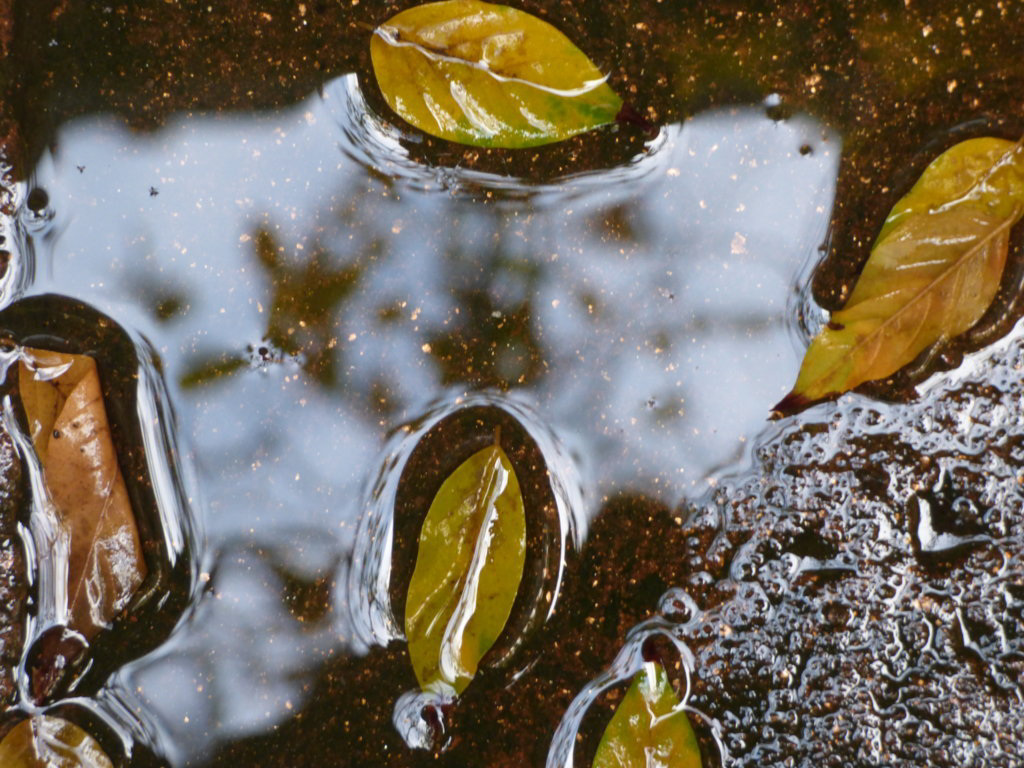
(626,665)
(373,576)
(380,147)
(158,485)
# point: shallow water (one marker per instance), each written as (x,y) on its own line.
(625,305)
(840,588)
(640,313)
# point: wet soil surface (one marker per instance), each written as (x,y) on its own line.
(843,587)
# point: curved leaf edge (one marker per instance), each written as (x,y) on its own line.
(796,401)
(432,678)
(616,112)
(651,690)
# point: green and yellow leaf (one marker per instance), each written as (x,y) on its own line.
(985,173)
(472,549)
(649,727)
(51,742)
(933,271)
(67,421)
(488,75)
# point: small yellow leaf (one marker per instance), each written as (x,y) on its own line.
(488,75)
(472,549)
(649,728)
(932,273)
(51,742)
(63,404)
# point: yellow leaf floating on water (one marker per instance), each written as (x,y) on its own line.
(649,727)
(985,173)
(472,549)
(488,75)
(932,273)
(67,420)
(51,742)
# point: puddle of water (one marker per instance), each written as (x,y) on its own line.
(840,588)
(648,306)
(309,290)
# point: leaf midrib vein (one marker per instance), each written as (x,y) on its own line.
(996,166)
(927,289)
(384,31)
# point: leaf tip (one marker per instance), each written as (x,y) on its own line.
(792,403)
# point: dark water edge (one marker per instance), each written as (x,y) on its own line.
(841,588)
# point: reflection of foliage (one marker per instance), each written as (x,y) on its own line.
(490,346)
(305,298)
(166,301)
(168,305)
(491,339)
(210,369)
(261,629)
(306,596)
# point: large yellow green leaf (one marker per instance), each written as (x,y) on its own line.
(985,173)
(63,404)
(472,548)
(649,728)
(932,273)
(488,75)
(50,742)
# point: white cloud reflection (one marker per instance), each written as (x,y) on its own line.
(659,296)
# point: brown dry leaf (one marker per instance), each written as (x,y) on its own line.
(68,424)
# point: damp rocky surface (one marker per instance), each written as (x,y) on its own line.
(864,589)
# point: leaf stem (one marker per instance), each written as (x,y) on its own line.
(630,115)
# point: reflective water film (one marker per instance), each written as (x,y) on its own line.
(310,289)
(306,317)
(288,279)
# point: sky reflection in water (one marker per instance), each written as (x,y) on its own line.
(646,314)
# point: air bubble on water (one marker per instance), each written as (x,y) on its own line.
(38,213)
(419,717)
(701,579)
(677,606)
(775,109)
(37,201)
